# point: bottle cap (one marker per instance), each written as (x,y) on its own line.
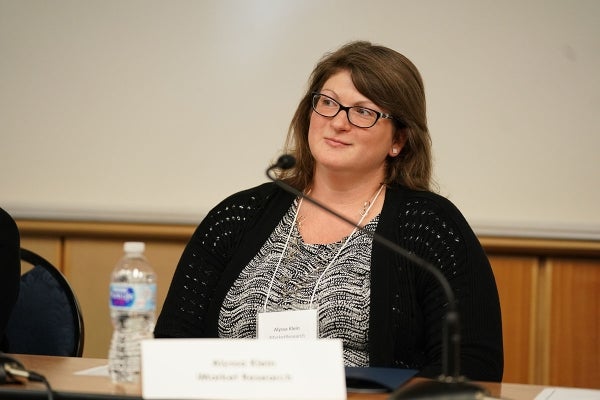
(134,247)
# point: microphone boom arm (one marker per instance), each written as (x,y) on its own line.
(451,334)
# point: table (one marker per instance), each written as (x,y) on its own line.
(60,372)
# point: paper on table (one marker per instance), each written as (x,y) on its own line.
(568,394)
(95,371)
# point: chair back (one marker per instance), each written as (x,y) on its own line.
(47,318)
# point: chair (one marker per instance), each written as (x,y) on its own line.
(47,318)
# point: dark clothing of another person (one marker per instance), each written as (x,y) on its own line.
(10,270)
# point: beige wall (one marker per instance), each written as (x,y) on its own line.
(155,110)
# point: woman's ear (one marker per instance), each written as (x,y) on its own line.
(398,144)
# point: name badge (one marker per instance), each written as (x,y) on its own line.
(293,324)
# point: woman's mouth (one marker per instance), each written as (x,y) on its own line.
(335,142)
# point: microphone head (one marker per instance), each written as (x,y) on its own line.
(286,161)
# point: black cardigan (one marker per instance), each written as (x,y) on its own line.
(407,303)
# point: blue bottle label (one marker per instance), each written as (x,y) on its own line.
(121,296)
(133,296)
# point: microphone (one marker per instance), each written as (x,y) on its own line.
(450,384)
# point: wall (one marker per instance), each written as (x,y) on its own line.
(153,111)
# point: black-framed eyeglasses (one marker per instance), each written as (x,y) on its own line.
(361,117)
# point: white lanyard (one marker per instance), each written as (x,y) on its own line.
(364,214)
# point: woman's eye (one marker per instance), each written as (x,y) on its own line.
(364,112)
(328,102)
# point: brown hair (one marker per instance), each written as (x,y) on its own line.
(393,83)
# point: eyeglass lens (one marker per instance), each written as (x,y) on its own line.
(359,116)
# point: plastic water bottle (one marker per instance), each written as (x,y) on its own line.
(132,307)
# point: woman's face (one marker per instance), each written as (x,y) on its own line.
(339,146)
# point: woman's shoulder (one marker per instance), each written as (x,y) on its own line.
(431,221)
(247,197)
(251,201)
(421,199)
(426,209)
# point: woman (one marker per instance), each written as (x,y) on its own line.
(363,148)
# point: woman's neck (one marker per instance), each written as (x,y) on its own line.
(358,200)
(344,190)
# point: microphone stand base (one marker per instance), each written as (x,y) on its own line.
(440,390)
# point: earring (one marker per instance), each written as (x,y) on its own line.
(395,150)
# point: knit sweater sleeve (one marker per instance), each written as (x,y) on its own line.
(186,310)
(431,227)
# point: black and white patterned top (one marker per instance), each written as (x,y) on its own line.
(342,295)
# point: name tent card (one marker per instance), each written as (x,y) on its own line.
(236,369)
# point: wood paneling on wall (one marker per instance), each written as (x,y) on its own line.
(574,323)
(516,278)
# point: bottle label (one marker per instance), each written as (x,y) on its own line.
(133,296)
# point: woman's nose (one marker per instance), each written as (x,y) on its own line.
(341,120)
